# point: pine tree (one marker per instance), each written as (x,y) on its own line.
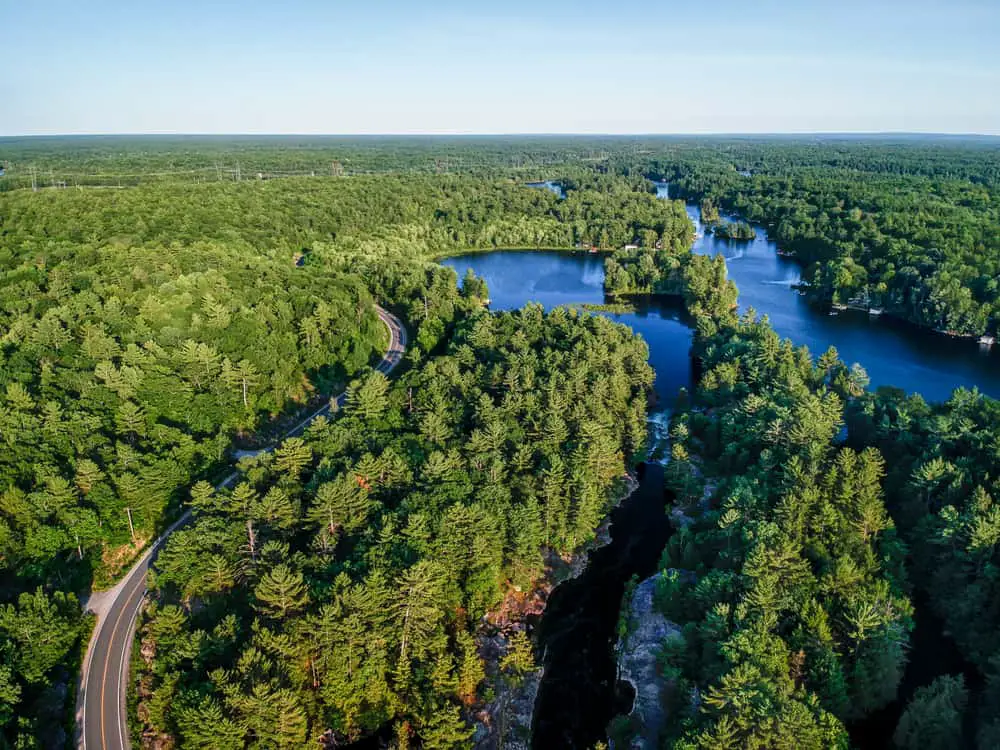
(280,591)
(444,729)
(292,457)
(933,717)
(471,671)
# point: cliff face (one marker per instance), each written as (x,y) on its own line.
(648,629)
(504,723)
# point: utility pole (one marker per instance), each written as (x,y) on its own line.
(131,528)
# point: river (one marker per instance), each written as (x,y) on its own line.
(892,352)
(577,696)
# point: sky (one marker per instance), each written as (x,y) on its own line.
(507,66)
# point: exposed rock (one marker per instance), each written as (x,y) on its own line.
(504,723)
(648,629)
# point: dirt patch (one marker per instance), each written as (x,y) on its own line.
(115,560)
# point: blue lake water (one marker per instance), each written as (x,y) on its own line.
(892,352)
(578,694)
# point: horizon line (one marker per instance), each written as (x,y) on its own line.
(510,134)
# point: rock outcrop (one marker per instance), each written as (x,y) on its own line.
(647,631)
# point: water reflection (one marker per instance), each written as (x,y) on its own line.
(891,351)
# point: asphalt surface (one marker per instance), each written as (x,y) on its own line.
(101,710)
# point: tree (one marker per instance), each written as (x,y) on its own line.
(206,727)
(933,717)
(369,397)
(281,590)
(43,628)
(242,375)
(471,671)
(340,506)
(10,694)
(275,718)
(417,608)
(519,659)
(444,729)
(292,457)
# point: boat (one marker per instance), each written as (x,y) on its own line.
(986,340)
(874,311)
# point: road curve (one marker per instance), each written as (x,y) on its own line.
(102,722)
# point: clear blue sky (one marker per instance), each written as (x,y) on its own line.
(508,66)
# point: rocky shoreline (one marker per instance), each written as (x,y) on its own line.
(637,663)
(504,723)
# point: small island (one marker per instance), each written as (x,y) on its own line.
(721,228)
(733,230)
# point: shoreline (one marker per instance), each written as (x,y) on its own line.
(637,651)
(884,313)
(512,711)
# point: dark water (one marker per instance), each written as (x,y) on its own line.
(892,352)
(932,654)
(553,278)
(577,633)
(577,697)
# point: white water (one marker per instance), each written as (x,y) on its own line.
(659,437)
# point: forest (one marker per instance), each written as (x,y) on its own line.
(918,242)
(813,515)
(786,573)
(163,303)
(148,332)
(382,538)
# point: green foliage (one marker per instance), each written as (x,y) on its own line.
(787,581)
(143,330)
(906,229)
(412,513)
(933,717)
(39,635)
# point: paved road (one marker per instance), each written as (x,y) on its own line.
(101,711)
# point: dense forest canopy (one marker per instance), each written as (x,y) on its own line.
(165,300)
(921,245)
(147,331)
(382,538)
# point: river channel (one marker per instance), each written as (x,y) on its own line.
(577,697)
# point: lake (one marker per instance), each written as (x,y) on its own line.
(577,696)
(892,352)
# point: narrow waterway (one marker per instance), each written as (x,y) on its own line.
(891,351)
(578,694)
(576,635)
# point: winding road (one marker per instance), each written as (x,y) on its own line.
(102,720)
